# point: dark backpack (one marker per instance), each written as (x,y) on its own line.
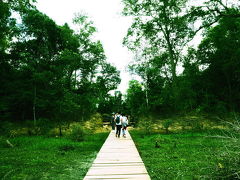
(117,119)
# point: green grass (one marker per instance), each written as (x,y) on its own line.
(40,157)
(189,155)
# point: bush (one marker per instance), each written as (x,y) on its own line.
(146,125)
(166,124)
(94,122)
(44,125)
(6,127)
(194,123)
(106,117)
(78,133)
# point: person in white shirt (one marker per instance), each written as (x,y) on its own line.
(124,125)
(118,121)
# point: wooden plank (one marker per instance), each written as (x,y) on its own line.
(121,176)
(118,159)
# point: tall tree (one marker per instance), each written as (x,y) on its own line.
(219,52)
(135,99)
(161,25)
(57,71)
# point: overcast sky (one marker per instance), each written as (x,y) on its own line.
(106,15)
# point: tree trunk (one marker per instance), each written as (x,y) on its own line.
(167,131)
(147,97)
(75,83)
(34,105)
(166,32)
(82,115)
(60,130)
(173,61)
(230,99)
(146,86)
(173,64)
(60,120)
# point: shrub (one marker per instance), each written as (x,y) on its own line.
(6,127)
(78,133)
(146,125)
(192,122)
(44,125)
(166,124)
(94,122)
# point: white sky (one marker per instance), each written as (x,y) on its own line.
(111,26)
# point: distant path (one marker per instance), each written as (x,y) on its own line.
(118,159)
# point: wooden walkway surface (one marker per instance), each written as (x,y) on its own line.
(118,159)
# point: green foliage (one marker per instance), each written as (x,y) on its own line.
(220,51)
(187,156)
(160,34)
(78,133)
(95,122)
(228,166)
(111,103)
(135,99)
(38,157)
(44,126)
(167,123)
(146,125)
(50,72)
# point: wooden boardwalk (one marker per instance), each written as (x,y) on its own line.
(118,159)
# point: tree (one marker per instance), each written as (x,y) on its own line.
(219,52)
(9,78)
(38,43)
(56,70)
(135,99)
(163,25)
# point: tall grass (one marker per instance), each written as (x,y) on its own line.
(190,155)
(39,157)
(229,158)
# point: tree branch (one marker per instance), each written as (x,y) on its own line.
(221,3)
(204,26)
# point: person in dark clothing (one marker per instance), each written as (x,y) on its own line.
(118,119)
(113,124)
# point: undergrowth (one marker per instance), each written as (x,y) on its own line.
(209,154)
(41,157)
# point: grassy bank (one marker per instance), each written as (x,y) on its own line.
(39,157)
(189,155)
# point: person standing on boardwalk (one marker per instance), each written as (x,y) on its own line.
(118,119)
(124,125)
(113,121)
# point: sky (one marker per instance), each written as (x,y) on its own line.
(107,18)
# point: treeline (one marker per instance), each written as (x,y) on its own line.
(47,71)
(163,36)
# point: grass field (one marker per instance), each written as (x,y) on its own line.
(188,155)
(39,157)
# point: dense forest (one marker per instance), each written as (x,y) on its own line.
(187,54)
(50,72)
